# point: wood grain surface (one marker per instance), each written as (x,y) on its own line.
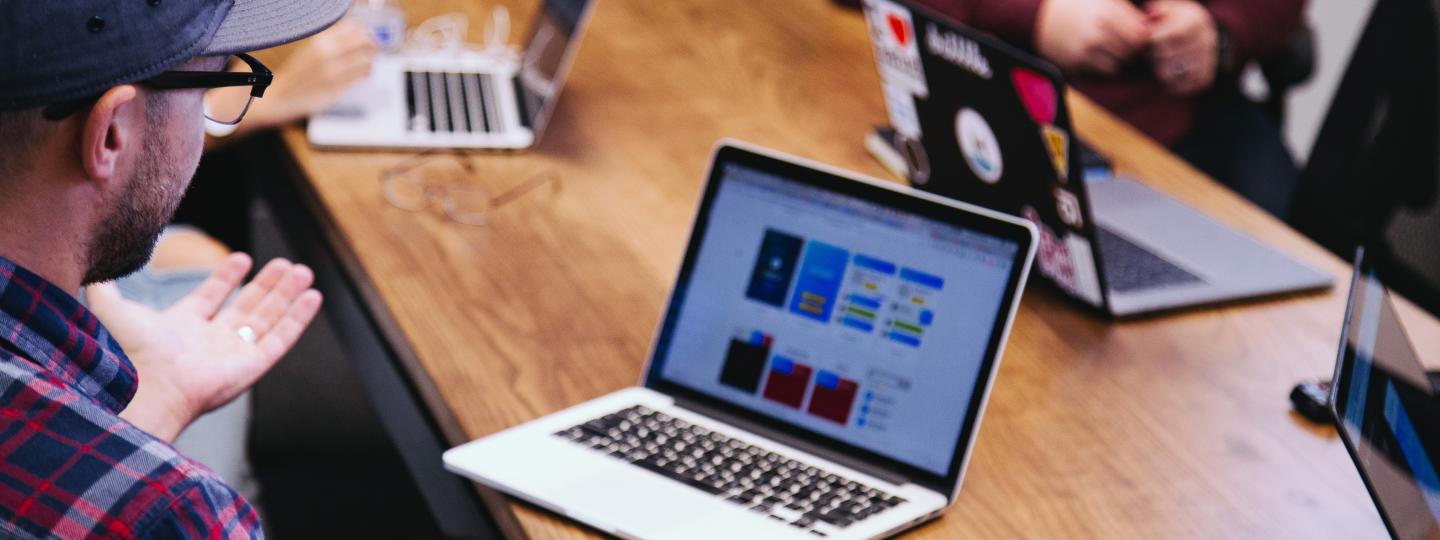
(1170,427)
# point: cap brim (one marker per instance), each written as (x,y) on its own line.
(252,25)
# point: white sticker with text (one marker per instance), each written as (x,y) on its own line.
(896,49)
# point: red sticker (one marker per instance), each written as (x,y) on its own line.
(898,29)
(1038,94)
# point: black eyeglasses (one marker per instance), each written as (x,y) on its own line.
(258,79)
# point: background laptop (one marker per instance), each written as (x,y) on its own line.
(986,123)
(427,99)
(821,369)
(1387,411)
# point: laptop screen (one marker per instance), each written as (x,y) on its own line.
(846,318)
(1388,413)
(547,57)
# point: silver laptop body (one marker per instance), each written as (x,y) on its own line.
(821,370)
(1185,258)
(460,99)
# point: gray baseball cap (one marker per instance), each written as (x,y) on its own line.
(61,50)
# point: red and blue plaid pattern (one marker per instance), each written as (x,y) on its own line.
(70,467)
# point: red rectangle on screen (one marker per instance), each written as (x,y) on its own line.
(833,397)
(787,381)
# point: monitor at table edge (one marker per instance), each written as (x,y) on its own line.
(1387,413)
(848,314)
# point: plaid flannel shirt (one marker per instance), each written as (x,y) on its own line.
(70,467)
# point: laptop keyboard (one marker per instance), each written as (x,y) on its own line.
(783,489)
(451,102)
(1129,267)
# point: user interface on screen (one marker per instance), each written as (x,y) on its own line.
(542,67)
(844,317)
(1389,414)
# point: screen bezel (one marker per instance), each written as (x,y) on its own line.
(1018,233)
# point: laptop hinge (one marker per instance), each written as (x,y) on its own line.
(791,440)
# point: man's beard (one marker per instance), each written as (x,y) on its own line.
(126,240)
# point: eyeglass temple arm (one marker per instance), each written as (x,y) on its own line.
(527,186)
(258,79)
(260,74)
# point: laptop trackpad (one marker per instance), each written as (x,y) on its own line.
(635,502)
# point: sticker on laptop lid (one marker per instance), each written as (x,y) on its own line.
(979,145)
(897,52)
(917,160)
(1065,260)
(900,103)
(1068,206)
(958,49)
(1038,94)
(1051,255)
(1057,144)
(1082,261)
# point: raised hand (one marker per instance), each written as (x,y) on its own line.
(201,353)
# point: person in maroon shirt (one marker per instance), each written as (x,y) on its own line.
(1169,67)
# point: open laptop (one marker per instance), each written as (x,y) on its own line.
(467,100)
(820,371)
(983,122)
(1387,411)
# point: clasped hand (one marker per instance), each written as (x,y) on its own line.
(1102,36)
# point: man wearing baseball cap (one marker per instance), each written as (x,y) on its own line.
(101,128)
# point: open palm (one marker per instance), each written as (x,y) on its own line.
(191,357)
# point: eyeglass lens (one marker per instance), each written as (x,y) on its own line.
(228,105)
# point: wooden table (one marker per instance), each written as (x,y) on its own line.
(1163,428)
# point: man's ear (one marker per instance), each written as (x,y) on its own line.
(107,132)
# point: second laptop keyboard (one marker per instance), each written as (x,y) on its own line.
(804,496)
(451,102)
(1130,267)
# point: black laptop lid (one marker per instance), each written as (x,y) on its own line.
(1386,411)
(993,129)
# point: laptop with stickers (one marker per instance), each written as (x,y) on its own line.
(983,122)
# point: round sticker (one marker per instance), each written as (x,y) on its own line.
(978,145)
(917,161)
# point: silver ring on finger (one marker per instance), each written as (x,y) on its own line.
(246,333)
